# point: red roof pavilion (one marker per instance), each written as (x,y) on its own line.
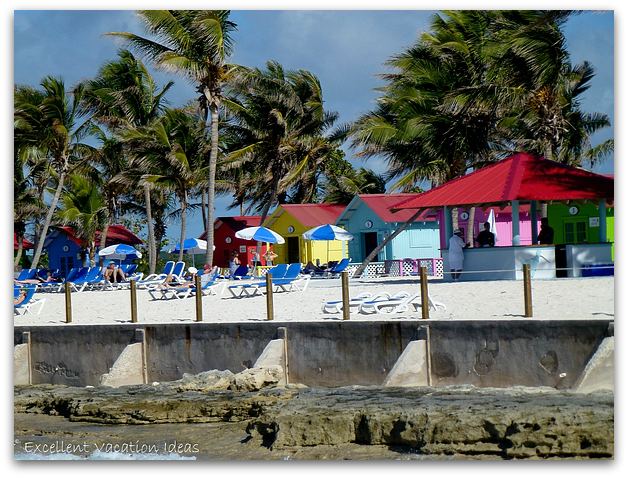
(521,177)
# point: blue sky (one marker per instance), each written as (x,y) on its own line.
(345,49)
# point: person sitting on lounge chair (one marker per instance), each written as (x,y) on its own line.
(310,268)
(38,280)
(112,273)
(20,298)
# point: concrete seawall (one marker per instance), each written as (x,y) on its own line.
(483,353)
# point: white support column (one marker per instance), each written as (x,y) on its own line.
(533,222)
(602,214)
(516,238)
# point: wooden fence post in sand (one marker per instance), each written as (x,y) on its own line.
(269,297)
(68,303)
(133,302)
(425,298)
(199,299)
(346,312)
(527,290)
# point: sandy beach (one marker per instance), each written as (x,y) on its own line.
(585,298)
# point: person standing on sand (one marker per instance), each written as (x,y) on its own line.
(269,256)
(234,262)
(456,254)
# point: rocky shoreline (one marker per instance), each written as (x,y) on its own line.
(268,421)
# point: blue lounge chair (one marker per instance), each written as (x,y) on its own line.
(29,301)
(337,269)
(287,282)
(26,274)
(92,276)
(251,288)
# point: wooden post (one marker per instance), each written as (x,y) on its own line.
(199,299)
(133,302)
(346,311)
(269,297)
(425,298)
(527,290)
(68,303)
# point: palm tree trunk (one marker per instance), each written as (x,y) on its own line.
(44,230)
(20,247)
(358,272)
(92,253)
(203,209)
(103,241)
(213,159)
(183,224)
(152,259)
(470,223)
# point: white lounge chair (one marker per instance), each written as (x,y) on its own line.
(397,306)
(335,306)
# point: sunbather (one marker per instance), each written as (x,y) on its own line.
(38,280)
(310,268)
(113,273)
(20,298)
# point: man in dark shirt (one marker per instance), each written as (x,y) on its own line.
(486,238)
(546,234)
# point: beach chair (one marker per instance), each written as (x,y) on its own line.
(168,266)
(27,274)
(397,306)
(292,280)
(92,276)
(184,292)
(336,306)
(29,301)
(178,272)
(252,288)
(155,279)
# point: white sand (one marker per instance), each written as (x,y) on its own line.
(586,298)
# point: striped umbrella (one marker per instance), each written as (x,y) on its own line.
(260,234)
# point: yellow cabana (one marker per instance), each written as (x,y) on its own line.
(292,220)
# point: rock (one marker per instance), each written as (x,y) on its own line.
(205,381)
(256,378)
(471,422)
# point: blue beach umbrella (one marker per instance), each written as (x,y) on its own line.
(120,251)
(191,246)
(260,234)
(327,232)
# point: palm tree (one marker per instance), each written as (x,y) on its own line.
(195,44)
(48,119)
(341,189)
(83,208)
(171,151)
(123,96)
(279,119)
(26,205)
